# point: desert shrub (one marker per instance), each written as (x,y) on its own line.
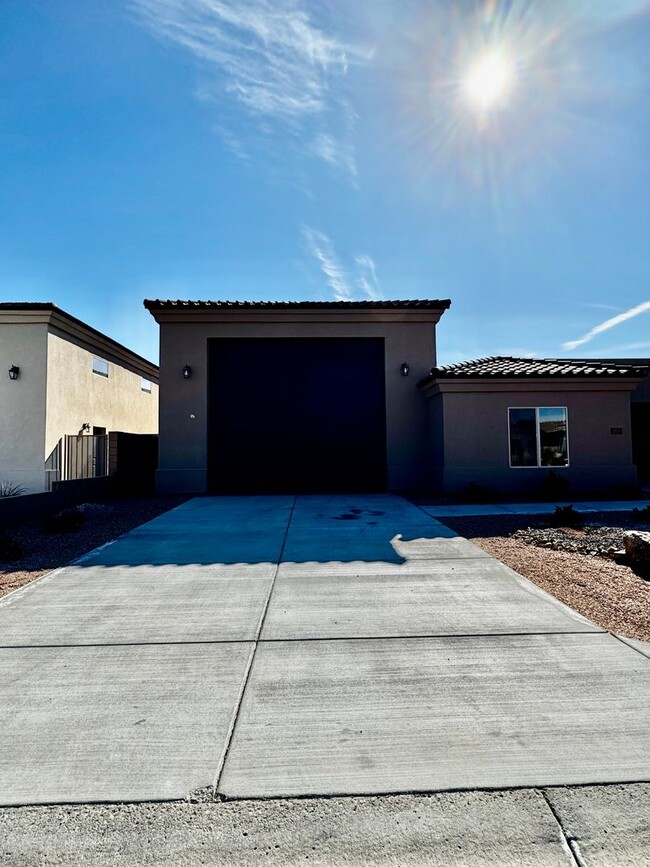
(11,489)
(554,486)
(565,516)
(10,549)
(66,521)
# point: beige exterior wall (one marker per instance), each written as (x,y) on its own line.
(469,434)
(183,446)
(642,392)
(76,395)
(22,404)
(57,391)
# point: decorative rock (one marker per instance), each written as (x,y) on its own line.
(637,547)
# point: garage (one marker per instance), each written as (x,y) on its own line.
(296,414)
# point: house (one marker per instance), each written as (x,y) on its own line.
(340,395)
(504,423)
(289,396)
(59,377)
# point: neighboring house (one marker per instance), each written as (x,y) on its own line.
(59,377)
(504,423)
(288,396)
(335,396)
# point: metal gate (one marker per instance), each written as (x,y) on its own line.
(85,457)
(77,457)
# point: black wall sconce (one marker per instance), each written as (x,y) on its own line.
(14,372)
(187,372)
(405,369)
(85,426)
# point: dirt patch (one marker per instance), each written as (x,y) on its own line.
(567,564)
(43,551)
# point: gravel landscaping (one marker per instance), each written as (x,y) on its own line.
(575,565)
(44,551)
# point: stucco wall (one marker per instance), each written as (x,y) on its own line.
(22,405)
(76,395)
(642,392)
(183,439)
(476,444)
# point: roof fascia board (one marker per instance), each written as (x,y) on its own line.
(69,328)
(102,345)
(513,386)
(252,315)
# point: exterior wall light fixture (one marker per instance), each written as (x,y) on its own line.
(187,372)
(14,372)
(85,426)
(405,368)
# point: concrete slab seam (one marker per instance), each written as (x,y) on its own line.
(429,636)
(568,839)
(394,793)
(631,646)
(240,698)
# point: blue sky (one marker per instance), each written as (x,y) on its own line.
(322,149)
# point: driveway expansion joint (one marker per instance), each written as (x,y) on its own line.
(249,666)
(569,840)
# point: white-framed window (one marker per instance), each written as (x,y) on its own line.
(145,385)
(100,367)
(538,436)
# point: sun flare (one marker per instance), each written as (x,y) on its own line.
(490,81)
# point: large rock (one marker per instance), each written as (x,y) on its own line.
(637,547)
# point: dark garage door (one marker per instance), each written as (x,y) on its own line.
(296,415)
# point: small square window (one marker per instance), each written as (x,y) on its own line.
(100,367)
(145,385)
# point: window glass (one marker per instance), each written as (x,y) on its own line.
(554,451)
(100,367)
(145,385)
(523,438)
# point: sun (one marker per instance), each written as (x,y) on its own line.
(489,81)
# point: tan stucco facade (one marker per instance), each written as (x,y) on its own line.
(468,432)
(408,335)
(57,390)
(22,403)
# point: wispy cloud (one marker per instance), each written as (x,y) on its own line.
(267,55)
(367,277)
(618,350)
(322,249)
(231,141)
(344,283)
(609,323)
(336,153)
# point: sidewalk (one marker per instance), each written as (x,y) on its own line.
(468,510)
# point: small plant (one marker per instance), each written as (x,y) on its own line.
(11,489)
(565,516)
(9,548)
(67,521)
(554,486)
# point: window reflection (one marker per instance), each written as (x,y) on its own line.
(538,436)
(554,450)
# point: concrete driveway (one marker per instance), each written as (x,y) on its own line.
(311,645)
